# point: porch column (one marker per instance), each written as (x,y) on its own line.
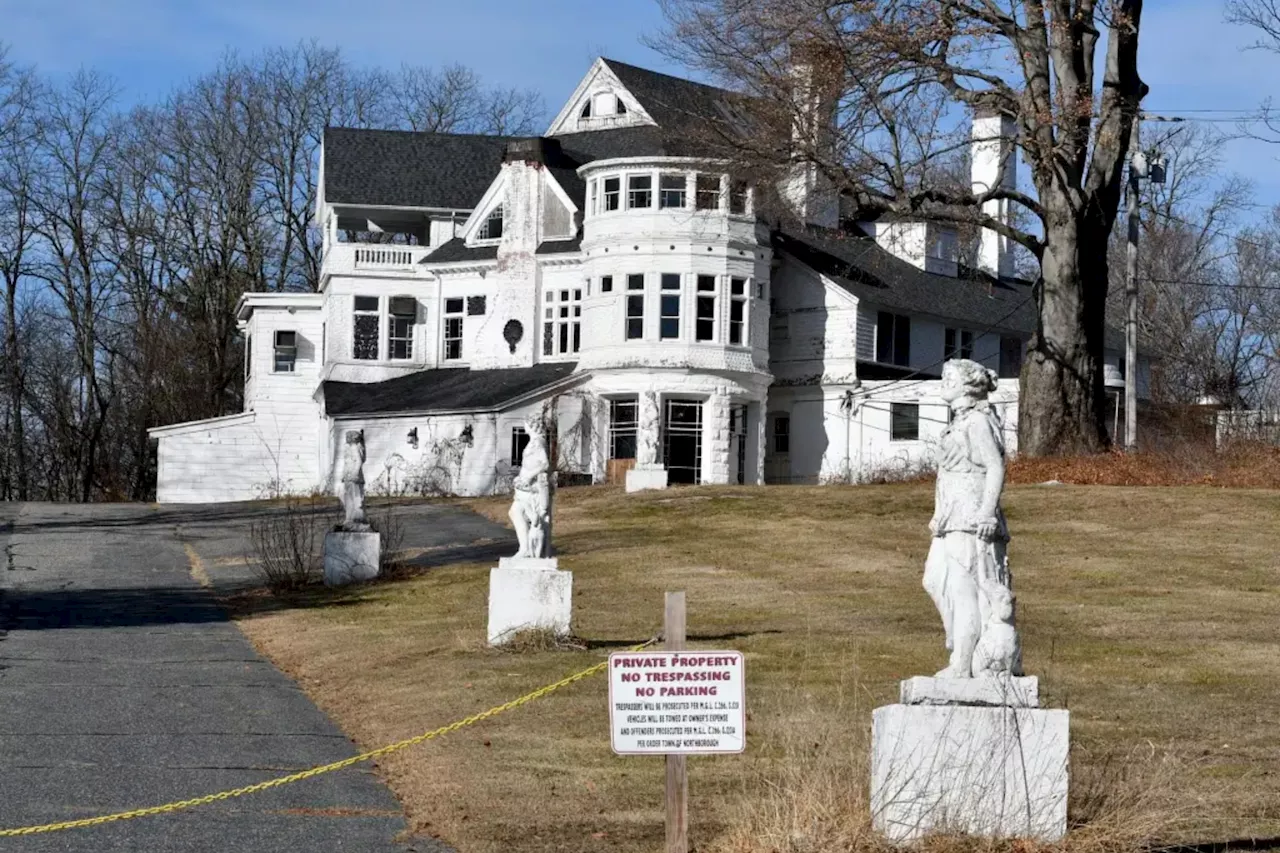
(715,438)
(758,429)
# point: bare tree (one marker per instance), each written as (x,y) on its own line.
(18,168)
(898,74)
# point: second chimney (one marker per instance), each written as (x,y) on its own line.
(993,159)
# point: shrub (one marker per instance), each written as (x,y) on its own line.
(288,542)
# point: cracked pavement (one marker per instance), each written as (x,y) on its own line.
(123,684)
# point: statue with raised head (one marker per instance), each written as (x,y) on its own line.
(967,570)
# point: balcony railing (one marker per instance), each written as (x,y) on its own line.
(353,257)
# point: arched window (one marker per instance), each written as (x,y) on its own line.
(586,110)
(622,108)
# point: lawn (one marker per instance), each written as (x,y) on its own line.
(1151,613)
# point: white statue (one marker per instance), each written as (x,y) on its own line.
(353,482)
(967,571)
(531,502)
(650,419)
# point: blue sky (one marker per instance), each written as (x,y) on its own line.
(1192,60)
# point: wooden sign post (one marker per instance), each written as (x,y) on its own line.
(677,773)
(677,703)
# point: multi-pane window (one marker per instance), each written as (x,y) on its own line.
(706,309)
(958,343)
(606,284)
(286,352)
(623,423)
(364,343)
(401,317)
(639,191)
(738,194)
(893,339)
(671,190)
(492,228)
(904,422)
(562,326)
(635,306)
(708,192)
(782,434)
(453,311)
(612,193)
(1011,357)
(475,306)
(519,441)
(669,327)
(737,311)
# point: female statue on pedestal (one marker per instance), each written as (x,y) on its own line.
(967,571)
(531,501)
(353,482)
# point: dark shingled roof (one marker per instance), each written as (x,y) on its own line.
(875,275)
(408,169)
(676,104)
(447,390)
(457,250)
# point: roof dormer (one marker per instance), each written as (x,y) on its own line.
(600,102)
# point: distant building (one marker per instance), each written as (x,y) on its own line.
(467,280)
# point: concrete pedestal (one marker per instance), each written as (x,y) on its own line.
(977,769)
(351,556)
(646,477)
(528,593)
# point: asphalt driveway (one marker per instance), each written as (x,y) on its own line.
(123,684)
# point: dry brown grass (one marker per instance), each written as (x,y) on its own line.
(1150,613)
(1243,466)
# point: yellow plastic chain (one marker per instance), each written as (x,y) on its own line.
(316,771)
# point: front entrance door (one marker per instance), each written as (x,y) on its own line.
(682,441)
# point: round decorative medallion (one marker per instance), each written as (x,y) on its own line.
(512,333)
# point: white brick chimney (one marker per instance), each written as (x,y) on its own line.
(815,91)
(994,163)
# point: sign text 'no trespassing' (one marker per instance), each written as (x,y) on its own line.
(664,703)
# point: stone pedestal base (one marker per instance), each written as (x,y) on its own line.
(648,477)
(988,771)
(351,556)
(1020,692)
(528,593)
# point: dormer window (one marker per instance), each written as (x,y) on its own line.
(492,228)
(601,105)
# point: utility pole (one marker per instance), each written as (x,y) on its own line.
(1137,165)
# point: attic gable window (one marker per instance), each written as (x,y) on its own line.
(492,228)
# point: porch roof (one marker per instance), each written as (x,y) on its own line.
(445,390)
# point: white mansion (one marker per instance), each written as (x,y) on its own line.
(599,269)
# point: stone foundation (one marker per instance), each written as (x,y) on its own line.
(351,556)
(528,593)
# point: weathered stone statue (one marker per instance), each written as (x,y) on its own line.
(531,503)
(353,482)
(648,427)
(967,570)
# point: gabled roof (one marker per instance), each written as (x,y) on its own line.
(873,274)
(445,390)
(401,168)
(673,102)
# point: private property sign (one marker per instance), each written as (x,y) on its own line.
(677,703)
